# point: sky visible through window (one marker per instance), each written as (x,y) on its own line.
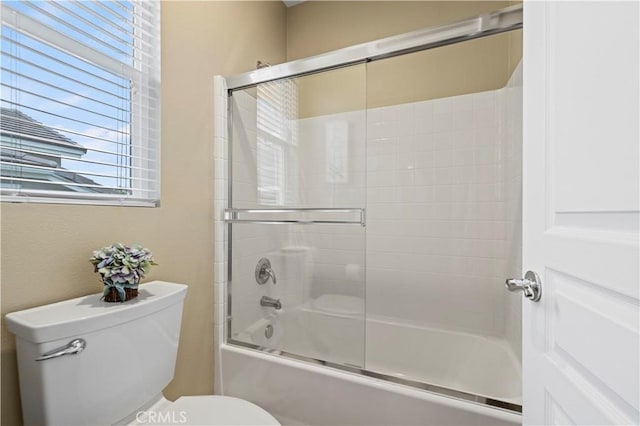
(86,103)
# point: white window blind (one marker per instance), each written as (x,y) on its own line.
(80,101)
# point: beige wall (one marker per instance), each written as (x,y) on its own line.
(316,27)
(45,248)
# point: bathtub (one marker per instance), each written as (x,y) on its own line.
(455,366)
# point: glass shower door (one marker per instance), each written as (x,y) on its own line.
(443,207)
(296,216)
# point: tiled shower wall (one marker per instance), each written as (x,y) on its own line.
(442,207)
(436,232)
(511,116)
(443,212)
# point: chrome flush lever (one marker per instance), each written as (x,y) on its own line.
(530,285)
(264,271)
(72,348)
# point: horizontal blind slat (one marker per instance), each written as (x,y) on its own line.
(153,122)
(66,24)
(71,119)
(110,34)
(68,183)
(83,135)
(66,77)
(111,23)
(141,31)
(97,150)
(19,45)
(89,161)
(70,92)
(74,171)
(116,11)
(88,149)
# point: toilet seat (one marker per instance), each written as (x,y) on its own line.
(210,410)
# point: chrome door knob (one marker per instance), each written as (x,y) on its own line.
(530,285)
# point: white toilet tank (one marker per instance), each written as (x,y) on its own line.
(128,358)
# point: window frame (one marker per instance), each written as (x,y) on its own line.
(145,137)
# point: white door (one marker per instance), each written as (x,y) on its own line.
(581,212)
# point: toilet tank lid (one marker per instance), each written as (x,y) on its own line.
(76,317)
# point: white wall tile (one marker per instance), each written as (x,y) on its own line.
(450,221)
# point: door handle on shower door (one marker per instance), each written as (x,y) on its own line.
(530,285)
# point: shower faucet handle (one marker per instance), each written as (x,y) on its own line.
(264,271)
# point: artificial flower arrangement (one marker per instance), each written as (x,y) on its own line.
(121,267)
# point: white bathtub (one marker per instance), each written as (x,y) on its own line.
(298,392)
(471,363)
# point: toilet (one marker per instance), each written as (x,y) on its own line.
(88,362)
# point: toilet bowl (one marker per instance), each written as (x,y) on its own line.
(88,362)
(204,410)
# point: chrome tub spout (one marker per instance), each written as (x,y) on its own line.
(270,302)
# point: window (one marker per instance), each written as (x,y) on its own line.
(80,101)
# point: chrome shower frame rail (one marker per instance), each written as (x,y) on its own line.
(258,216)
(503,20)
